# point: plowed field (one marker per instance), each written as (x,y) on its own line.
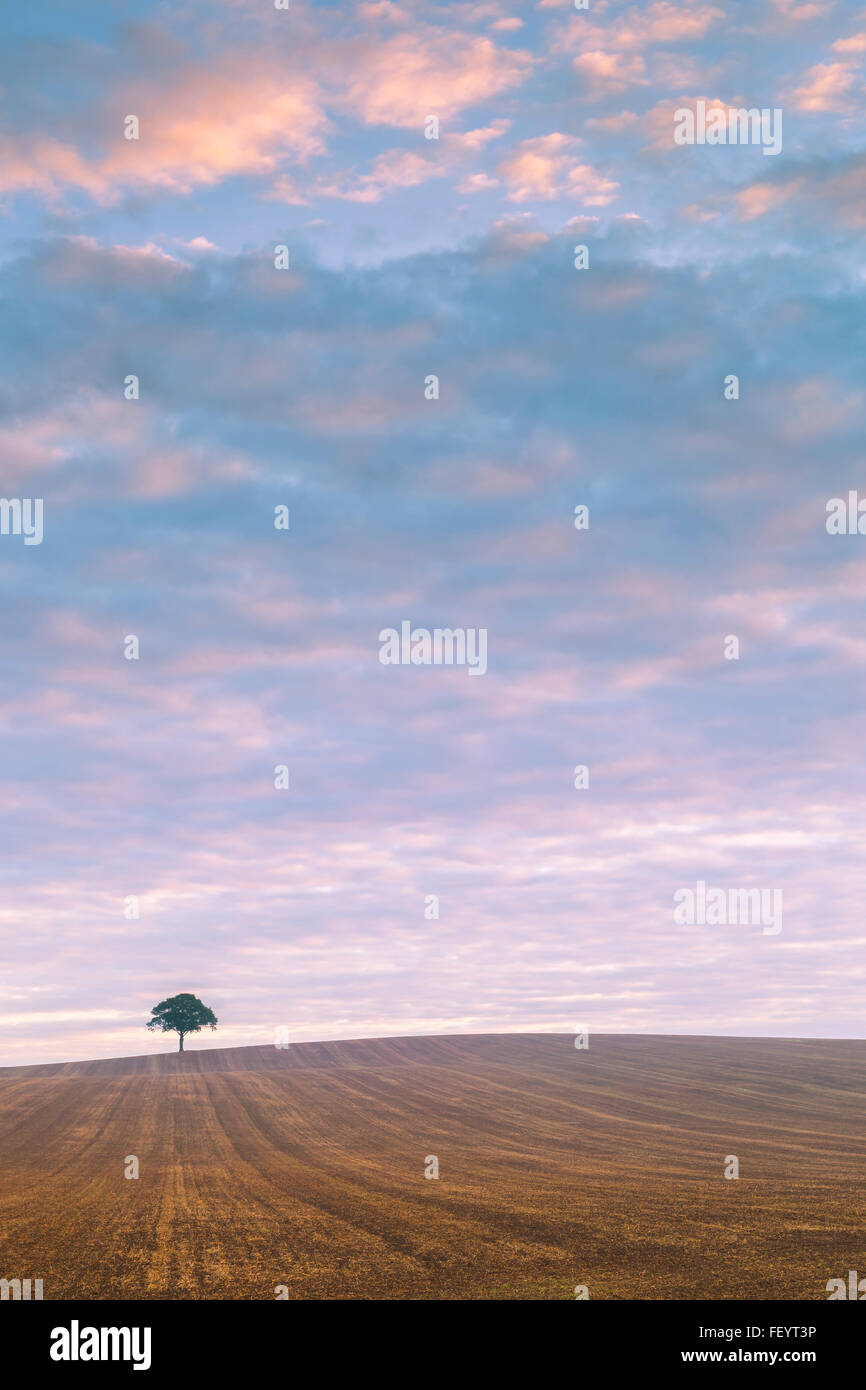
(305,1168)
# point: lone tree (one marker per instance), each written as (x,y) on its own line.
(182,1014)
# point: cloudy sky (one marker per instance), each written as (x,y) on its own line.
(263,387)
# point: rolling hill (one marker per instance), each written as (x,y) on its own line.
(305,1167)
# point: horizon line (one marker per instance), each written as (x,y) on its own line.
(411,1037)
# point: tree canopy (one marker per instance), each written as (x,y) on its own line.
(182,1014)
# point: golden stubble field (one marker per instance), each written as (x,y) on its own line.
(558,1167)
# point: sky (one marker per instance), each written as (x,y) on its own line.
(146,846)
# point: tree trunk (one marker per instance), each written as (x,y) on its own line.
(180,1049)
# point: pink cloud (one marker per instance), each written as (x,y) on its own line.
(474,141)
(803,11)
(760,198)
(547,167)
(391,170)
(44,165)
(205,127)
(827,87)
(665,23)
(610,72)
(855,44)
(130,432)
(395,169)
(843,192)
(383,9)
(624,120)
(477,183)
(412,76)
